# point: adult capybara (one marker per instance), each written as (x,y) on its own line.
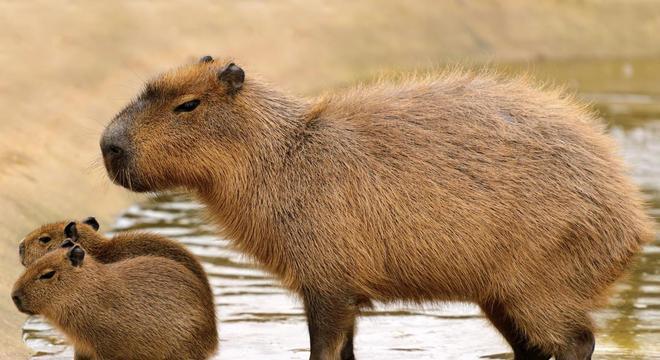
(144,307)
(460,186)
(120,246)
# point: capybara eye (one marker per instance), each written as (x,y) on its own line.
(187,106)
(47,275)
(44,239)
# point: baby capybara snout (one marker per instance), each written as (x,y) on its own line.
(17,298)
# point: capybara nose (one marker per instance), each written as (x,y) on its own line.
(17,299)
(21,250)
(114,145)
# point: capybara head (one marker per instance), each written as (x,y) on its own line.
(49,279)
(50,236)
(185,127)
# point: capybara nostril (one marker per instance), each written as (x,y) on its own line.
(17,300)
(115,150)
(111,151)
(21,250)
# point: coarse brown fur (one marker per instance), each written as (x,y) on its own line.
(143,307)
(460,186)
(120,246)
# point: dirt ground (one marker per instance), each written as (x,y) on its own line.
(67,67)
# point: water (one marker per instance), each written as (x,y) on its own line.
(258,320)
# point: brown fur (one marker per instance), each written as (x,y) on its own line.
(144,307)
(459,186)
(121,246)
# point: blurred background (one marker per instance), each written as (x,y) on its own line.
(67,67)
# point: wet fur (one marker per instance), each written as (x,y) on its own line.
(459,186)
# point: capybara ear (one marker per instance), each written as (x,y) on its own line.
(206,59)
(67,243)
(91,221)
(71,231)
(76,255)
(233,76)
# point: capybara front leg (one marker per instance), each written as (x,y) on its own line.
(79,356)
(347,349)
(329,321)
(522,349)
(580,348)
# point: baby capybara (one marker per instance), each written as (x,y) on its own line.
(144,307)
(461,186)
(121,246)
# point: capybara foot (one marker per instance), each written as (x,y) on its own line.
(580,348)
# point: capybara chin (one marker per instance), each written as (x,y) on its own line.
(460,186)
(140,308)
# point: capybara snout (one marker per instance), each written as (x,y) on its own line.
(118,153)
(17,298)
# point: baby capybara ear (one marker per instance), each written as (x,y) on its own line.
(233,76)
(206,59)
(71,231)
(67,243)
(76,255)
(91,221)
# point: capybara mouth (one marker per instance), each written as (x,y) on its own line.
(21,307)
(121,174)
(26,311)
(128,179)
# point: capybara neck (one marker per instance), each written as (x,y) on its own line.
(247,198)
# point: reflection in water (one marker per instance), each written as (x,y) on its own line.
(258,320)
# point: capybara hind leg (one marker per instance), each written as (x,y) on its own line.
(330,322)
(580,348)
(522,349)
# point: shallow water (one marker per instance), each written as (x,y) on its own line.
(258,320)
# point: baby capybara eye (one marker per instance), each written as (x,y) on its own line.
(47,275)
(44,239)
(187,106)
